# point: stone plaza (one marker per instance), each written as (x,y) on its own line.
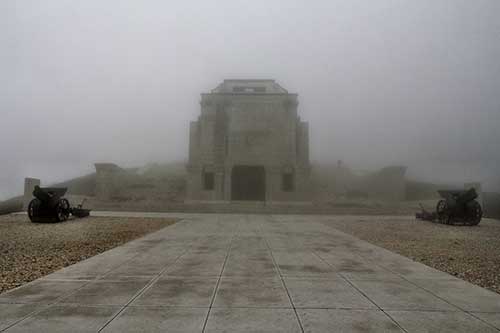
(248,273)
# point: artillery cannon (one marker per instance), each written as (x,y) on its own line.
(50,206)
(459,207)
(456,207)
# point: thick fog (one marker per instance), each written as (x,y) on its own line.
(380,82)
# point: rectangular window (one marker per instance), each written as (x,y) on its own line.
(287,182)
(208,181)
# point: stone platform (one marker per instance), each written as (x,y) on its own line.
(248,273)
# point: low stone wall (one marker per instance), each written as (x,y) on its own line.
(11,206)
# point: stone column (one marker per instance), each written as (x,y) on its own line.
(227,183)
(219,185)
(29,186)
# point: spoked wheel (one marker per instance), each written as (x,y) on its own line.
(62,210)
(474,213)
(33,208)
(442,212)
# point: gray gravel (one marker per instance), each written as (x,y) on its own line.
(29,251)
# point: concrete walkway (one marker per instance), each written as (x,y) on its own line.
(249,273)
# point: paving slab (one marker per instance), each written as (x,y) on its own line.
(284,242)
(401,295)
(248,273)
(463,294)
(158,320)
(95,266)
(371,275)
(251,292)
(198,264)
(68,318)
(301,263)
(413,270)
(41,291)
(238,320)
(362,321)
(344,262)
(189,291)
(241,263)
(147,264)
(106,293)
(326,293)
(12,313)
(436,321)
(249,243)
(492,318)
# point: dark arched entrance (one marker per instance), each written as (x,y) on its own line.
(248,183)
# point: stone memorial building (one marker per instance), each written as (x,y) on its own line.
(248,145)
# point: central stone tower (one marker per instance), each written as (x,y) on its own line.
(248,145)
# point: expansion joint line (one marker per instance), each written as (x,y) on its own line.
(361,292)
(283,281)
(218,282)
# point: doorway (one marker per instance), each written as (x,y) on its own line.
(248,183)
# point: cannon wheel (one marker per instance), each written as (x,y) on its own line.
(442,212)
(32,208)
(62,210)
(474,213)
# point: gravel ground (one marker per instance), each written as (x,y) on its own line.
(29,251)
(470,253)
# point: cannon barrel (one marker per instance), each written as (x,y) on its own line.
(459,196)
(467,196)
(45,194)
(49,195)
(41,195)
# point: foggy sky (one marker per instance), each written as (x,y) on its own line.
(380,82)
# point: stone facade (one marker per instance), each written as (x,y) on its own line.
(248,145)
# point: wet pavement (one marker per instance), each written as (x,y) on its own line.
(248,273)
